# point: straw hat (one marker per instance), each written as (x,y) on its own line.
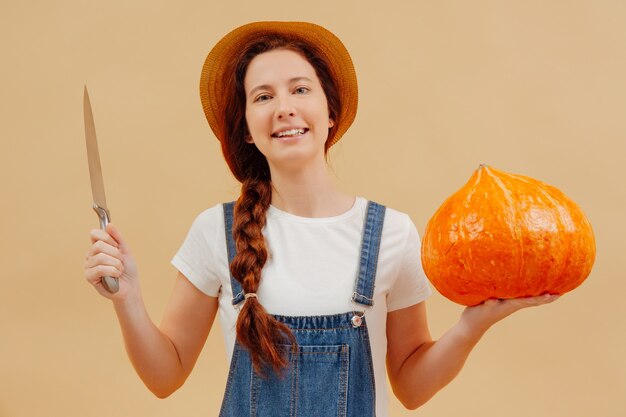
(323,41)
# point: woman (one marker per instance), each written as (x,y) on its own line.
(322,286)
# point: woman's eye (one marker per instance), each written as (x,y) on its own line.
(301,90)
(262,97)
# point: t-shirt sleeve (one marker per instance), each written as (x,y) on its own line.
(411,286)
(196,258)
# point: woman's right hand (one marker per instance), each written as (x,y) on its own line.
(109,255)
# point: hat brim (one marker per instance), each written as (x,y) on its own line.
(325,43)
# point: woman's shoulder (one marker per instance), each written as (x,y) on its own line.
(394,217)
(210,217)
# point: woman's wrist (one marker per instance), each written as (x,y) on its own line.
(129,305)
(471,329)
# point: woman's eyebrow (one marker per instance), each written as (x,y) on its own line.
(267,86)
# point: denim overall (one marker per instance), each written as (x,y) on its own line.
(330,371)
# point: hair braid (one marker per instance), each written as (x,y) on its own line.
(257,330)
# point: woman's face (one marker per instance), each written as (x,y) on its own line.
(286,109)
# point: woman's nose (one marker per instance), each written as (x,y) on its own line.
(284,108)
(282,115)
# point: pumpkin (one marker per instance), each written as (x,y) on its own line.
(506,236)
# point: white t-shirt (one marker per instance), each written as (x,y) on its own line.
(311,270)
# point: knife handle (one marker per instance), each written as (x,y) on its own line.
(111,284)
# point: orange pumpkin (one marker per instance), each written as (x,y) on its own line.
(506,236)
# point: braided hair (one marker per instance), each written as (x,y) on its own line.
(257,331)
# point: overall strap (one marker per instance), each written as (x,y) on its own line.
(231,249)
(370,246)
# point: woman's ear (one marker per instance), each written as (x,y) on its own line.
(331,123)
(249,139)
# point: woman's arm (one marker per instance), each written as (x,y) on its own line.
(418,367)
(162,356)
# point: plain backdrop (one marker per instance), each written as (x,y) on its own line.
(534,87)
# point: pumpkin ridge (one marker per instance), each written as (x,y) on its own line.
(478,175)
(551,278)
(565,283)
(514,225)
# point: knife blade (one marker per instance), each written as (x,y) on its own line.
(97,183)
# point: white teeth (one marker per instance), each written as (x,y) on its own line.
(291,132)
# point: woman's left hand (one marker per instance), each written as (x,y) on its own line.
(478,319)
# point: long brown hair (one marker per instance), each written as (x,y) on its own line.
(257,331)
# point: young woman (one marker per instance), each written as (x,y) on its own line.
(320,293)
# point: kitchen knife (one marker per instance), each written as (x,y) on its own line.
(97,184)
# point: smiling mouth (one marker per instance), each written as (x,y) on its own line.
(290,133)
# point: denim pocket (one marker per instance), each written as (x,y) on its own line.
(314,384)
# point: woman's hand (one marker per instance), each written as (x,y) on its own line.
(109,255)
(478,319)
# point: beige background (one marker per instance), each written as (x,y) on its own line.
(533,87)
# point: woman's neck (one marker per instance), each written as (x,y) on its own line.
(308,193)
